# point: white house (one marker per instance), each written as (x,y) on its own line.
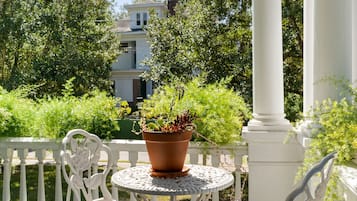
(126,71)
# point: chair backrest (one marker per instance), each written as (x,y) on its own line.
(80,156)
(315,191)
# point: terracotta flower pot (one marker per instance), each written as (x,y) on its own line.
(167,151)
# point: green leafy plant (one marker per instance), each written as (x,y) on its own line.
(16,112)
(124,109)
(334,129)
(182,122)
(220,112)
(53,117)
(95,112)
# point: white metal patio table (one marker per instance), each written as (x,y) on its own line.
(201,180)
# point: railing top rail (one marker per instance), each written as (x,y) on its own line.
(127,145)
(30,142)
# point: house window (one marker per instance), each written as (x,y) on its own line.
(124,47)
(145,18)
(138,22)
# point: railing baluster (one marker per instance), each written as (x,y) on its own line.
(238,172)
(115,157)
(193,160)
(95,192)
(58,190)
(7,155)
(194,157)
(133,159)
(40,154)
(215,160)
(23,184)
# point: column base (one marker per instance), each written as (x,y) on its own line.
(273,163)
(271,122)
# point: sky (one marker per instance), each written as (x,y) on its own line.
(118,3)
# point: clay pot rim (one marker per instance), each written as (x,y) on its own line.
(167,136)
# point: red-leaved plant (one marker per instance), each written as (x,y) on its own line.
(182,122)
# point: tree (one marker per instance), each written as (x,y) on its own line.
(59,40)
(293,57)
(202,38)
(213,37)
(17,35)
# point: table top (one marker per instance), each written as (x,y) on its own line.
(200,179)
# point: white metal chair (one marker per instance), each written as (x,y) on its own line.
(315,191)
(81,153)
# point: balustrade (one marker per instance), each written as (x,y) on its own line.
(25,151)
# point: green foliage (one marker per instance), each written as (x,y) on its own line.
(214,38)
(293,103)
(220,111)
(94,112)
(124,109)
(334,128)
(203,38)
(293,57)
(53,117)
(16,113)
(48,42)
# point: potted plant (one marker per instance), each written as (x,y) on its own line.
(216,114)
(167,142)
(220,111)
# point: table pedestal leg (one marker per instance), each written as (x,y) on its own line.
(172,197)
(204,197)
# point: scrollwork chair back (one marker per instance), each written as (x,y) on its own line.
(80,153)
(323,171)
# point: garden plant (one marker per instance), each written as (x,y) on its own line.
(333,128)
(220,112)
(53,117)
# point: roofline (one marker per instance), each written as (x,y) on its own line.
(144,5)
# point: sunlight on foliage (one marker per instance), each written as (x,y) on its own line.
(53,117)
(220,111)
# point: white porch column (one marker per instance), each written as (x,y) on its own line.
(268,92)
(332,46)
(308,55)
(354,43)
(272,164)
(327,51)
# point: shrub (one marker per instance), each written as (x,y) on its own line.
(95,112)
(220,111)
(16,112)
(334,129)
(53,117)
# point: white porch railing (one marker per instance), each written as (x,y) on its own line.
(25,151)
